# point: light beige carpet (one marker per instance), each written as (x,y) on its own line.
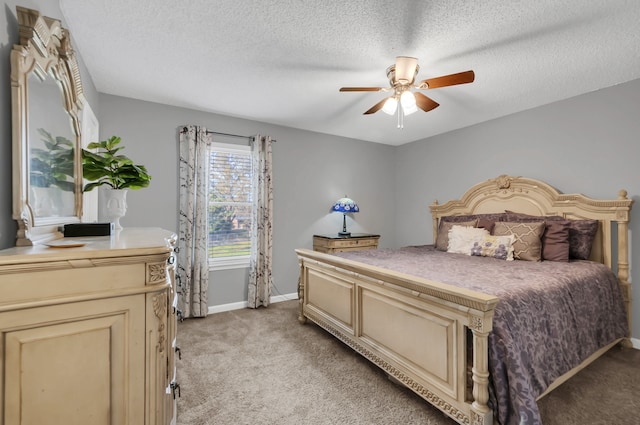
(263,367)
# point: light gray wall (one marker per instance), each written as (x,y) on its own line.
(588,144)
(311,171)
(9,37)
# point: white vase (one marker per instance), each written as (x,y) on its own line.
(115,205)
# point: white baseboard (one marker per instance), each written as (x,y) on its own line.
(243,304)
(636,343)
(288,297)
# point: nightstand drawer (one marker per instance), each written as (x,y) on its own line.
(350,243)
(357,241)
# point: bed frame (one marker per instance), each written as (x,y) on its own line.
(392,318)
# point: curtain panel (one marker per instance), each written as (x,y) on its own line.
(193,258)
(260,275)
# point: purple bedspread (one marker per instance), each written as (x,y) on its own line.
(550,316)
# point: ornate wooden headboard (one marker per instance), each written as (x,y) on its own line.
(535,197)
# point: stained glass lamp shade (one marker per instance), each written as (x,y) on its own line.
(345,205)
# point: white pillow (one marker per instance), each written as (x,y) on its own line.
(462,239)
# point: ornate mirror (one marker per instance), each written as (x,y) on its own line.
(47,96)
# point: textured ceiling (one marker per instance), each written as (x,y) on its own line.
(283,61)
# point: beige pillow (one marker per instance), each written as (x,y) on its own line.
(442,240)
(528,238)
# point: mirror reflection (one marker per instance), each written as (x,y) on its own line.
(51,150)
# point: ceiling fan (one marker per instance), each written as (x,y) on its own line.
(402,76)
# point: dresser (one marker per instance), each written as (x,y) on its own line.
(88,331)
(333,243)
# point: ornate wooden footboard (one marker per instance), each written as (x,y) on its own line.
(393,319)
(417,329)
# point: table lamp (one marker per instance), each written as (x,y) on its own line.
(345,205)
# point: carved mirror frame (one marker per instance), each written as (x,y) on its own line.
(44,51)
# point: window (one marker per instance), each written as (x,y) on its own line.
(230,206)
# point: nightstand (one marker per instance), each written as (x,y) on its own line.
(336,243)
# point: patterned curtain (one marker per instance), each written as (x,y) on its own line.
(260,279)
(193,267)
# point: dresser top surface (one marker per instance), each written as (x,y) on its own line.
(128,241)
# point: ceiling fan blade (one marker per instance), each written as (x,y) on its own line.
(425,103)
(360,88)
(449,80)
(375,108)
(406,69)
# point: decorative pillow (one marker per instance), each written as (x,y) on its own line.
(486,216)
(462,239)
(516,216)
(581,236)
(528,238)
(500,247)
(581,233)
(484,223)
(442,240)
(555,240)
(486,220)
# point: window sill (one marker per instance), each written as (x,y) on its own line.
(229,263)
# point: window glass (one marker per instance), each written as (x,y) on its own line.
(230,206)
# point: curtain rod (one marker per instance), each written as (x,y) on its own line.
(234,135)
(184,130)
(229,134)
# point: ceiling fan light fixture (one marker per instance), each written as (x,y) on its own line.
(409,110)
(407,99)
(390,106)
(408,102)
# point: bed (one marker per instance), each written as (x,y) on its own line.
(435,334)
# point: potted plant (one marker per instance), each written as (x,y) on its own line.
(105,167)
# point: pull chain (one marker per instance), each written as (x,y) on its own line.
(400,117)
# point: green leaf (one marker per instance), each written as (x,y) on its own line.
(104,167)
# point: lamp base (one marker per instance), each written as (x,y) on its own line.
(344,227)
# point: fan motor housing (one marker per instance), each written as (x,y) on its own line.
(391,75)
